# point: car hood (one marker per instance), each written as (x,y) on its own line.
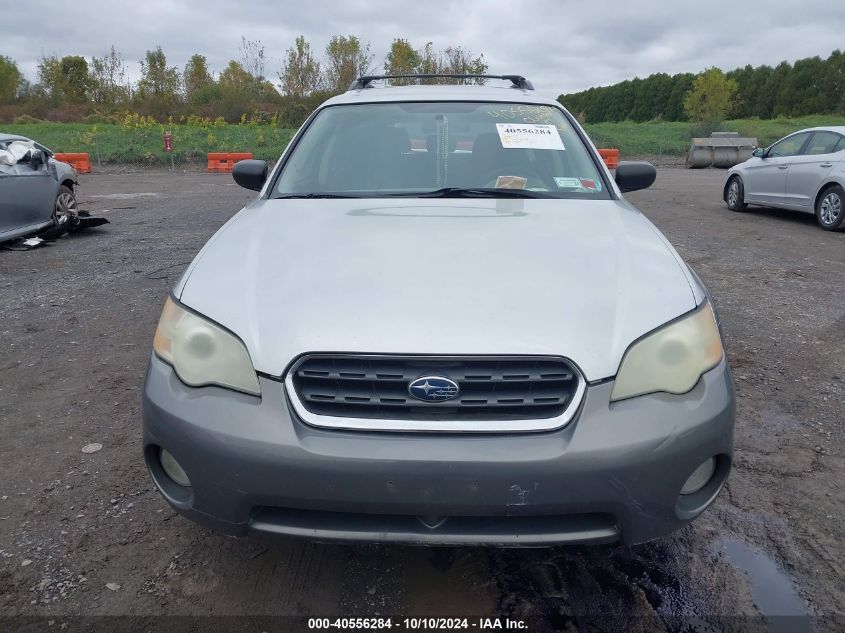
(575,278)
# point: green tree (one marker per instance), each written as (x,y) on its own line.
(656,96)
(402,59)
(749,82)
(109,87)
(431,61)
(158,80)
(809,86)
(50,81)
(346,59)
(803,90)
(833,84)
(254,62)
(196,78)
(659,89)
(75,80)
(681,85)
(771,94)
(10,80)
(623,105)
(456,60)
(159,88)
(234,92)
(300,75)
(711,96)
(235,78)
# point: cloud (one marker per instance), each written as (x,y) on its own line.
(563,46)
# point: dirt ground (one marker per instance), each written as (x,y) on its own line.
(86,534)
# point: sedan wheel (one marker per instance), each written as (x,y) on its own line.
(829,209)
(735,194)
(65,206)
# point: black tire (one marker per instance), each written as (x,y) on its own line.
(830,209)
(65,206)
(735,194)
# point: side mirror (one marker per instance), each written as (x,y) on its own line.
(250,174)
(635,175)
(759,152)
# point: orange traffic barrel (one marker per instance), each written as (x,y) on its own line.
(610,157)
(79,161)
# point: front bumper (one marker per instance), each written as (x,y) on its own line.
(613,473)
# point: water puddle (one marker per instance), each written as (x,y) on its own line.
(773,592)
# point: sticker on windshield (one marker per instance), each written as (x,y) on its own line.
(568,183)
(589,183)
(529,136)
(511,182)
(578,184)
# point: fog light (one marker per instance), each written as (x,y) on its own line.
(699,478)
(173,469)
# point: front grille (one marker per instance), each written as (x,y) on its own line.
(490,388)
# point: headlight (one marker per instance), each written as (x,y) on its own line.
(671,359)
(201,352)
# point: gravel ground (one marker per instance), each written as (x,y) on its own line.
(86,534)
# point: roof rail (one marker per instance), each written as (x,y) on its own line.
(364,81)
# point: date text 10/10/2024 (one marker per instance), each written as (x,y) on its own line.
(416,624)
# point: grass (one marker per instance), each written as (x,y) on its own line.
(113,143)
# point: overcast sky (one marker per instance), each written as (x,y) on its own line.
(562,46)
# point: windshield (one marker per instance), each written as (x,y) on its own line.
(395,149)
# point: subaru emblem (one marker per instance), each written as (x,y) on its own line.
(433,388)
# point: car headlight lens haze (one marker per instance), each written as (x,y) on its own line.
(672,358)
(201,352)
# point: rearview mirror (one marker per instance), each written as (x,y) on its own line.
(250,174)
(759,152)
(635,175)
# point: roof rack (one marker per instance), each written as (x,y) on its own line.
(518,81)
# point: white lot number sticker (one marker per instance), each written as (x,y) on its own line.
(529,136)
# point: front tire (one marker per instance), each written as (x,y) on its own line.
(735,194)
(65,208)
(830,209)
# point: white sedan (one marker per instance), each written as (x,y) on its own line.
(804,171)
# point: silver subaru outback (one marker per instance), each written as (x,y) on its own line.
(440,322)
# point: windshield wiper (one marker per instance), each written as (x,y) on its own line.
(314,195)
(445,192)
(473,192)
